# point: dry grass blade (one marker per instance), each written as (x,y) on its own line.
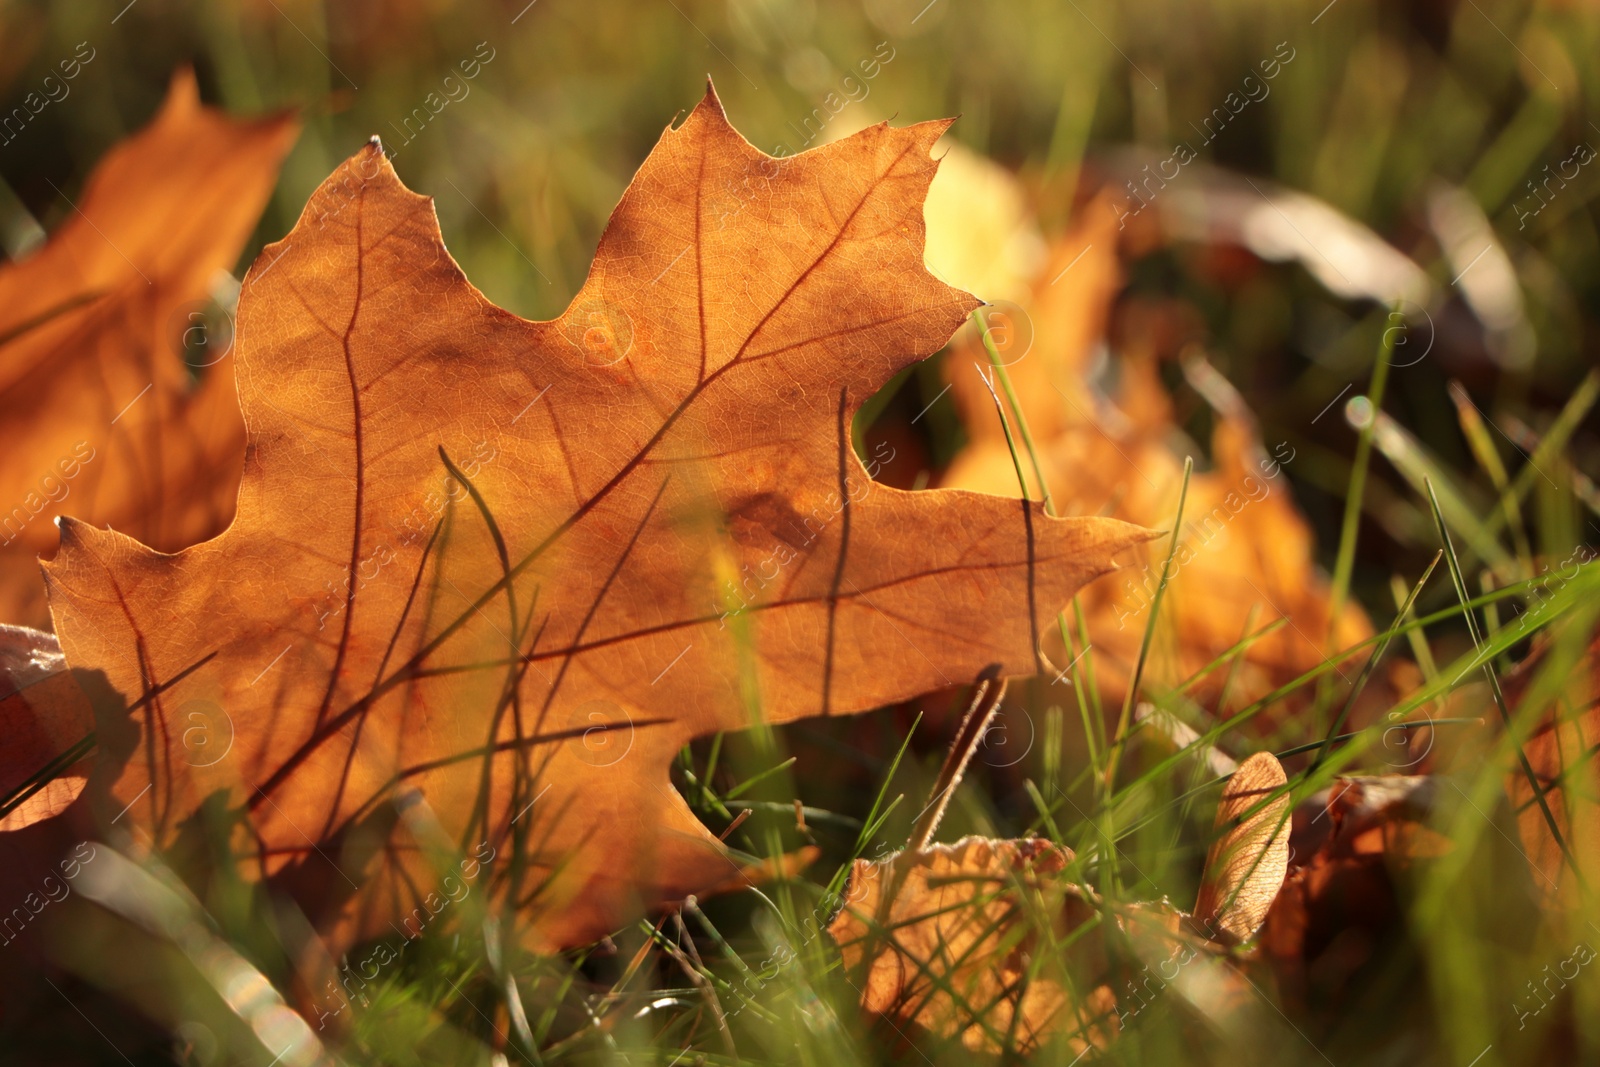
(986,697)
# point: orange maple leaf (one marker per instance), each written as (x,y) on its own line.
(104,420)
(487,576)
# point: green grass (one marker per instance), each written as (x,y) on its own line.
(752,977)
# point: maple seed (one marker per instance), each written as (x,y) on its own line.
(1245,866)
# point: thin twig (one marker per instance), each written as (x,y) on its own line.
(986,696)
(697,978)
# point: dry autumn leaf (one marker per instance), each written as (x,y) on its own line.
(967,941)
(944,937)
(1359,815)
(1561,753)
(1340,905)
(104,420)
(45,720)
(1246,863)
(501,571)
(1244,548)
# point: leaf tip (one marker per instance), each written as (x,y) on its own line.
(67,528)
(183,91)
(711,100)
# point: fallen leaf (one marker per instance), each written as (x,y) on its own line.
(1069,311)
(498,572)
(970,941)
(981,234)
(1246,863)
(1340,906)
(1384,814)
(104,419)
(1560,750)
(967,941)
(1244,546)
(43,714)
(944,937)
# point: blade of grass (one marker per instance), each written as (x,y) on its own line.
(1126,716)
(711,764)
(1105,818)
(1043,808)
(1349,527)
(47,774)
(1587,585)
(1581,590)
(875,817)
(754,779)
(1418,466)
(1372,662)
(1315,746)
(1555,439)
(1089,682)
(1234,656)
(1054,735)
(1491,612)
(1083,703)
(1488,457)
(1495,690)
(1005,426)
(1016,411)
(1418,641)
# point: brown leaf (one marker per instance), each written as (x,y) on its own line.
(1561,752)
(941,937)
(501,571)
(950,938)
(1369,815)
(42,714)
(1340,904)
(1244,545)
(103,418)
(1246,864)
(1331,918)
(1068,315)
